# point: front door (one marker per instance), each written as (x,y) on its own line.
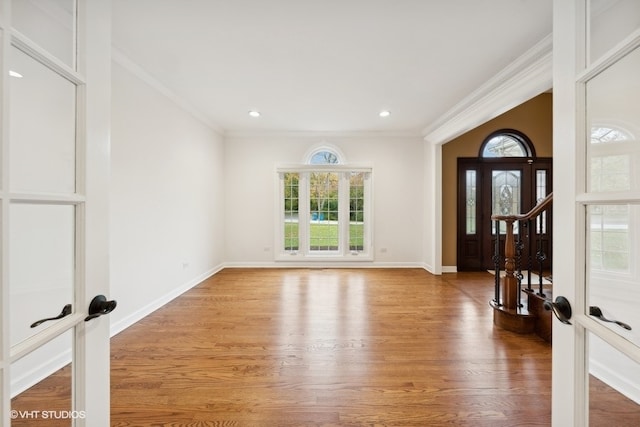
(596,358)
(55,62)
(507,186)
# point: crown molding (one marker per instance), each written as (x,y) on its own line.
(526,77)
(124,61)
(246,134)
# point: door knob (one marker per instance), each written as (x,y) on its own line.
(99,306)
(66,310)
(561,308)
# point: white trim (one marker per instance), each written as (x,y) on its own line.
(124,61)
(436,222)
(619,51)
(158,303)
(526,77)
(428,268)
(298,258)
(323,168)
(34,51)
(252,134)
(36,341)
(449,268)
(616,341)
(327,264)
(617,198)
(43,198)
(620,383)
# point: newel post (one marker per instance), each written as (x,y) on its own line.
(509,282)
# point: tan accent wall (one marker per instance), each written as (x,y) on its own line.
(533,118)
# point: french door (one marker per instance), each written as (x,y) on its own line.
(596,358)
(55,63)
(506,186)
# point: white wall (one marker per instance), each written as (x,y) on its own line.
(398,182)
(166,199)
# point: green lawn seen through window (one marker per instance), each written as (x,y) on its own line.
(322,235)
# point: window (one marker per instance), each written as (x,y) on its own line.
(325,209)
(507,143)
(471,196)
(291,200)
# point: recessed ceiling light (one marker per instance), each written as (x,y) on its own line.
(254,113)
(385,113)
(15,74)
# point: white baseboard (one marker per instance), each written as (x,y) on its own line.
(621,383)
(140,314)
(320,264)
(449,268)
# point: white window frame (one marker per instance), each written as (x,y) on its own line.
(343,253)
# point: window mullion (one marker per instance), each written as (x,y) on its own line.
(343,213)
(303,214)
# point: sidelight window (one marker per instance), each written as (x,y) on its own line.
(471,196)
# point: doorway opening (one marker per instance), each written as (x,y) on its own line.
(505,179)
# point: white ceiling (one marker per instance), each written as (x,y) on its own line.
(330,65)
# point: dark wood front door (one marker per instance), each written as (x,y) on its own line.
(505,186)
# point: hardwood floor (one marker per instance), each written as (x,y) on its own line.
(316,347)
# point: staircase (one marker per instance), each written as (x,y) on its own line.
(516,308)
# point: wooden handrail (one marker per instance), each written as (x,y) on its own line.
(537,209)
(510,291)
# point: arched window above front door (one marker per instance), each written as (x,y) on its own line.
(507,143)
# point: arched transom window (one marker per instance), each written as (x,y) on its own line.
(507,143)
(324,157)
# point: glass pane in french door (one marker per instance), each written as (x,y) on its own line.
(50,24)
(609,23)
(40,399)
(505,195)
(613,296)
(41,265)
(613,123)
(614,386)
(612,299)
(42,128)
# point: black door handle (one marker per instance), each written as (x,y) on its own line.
(99,306)
(596,312)
(66,310)
(561,308)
